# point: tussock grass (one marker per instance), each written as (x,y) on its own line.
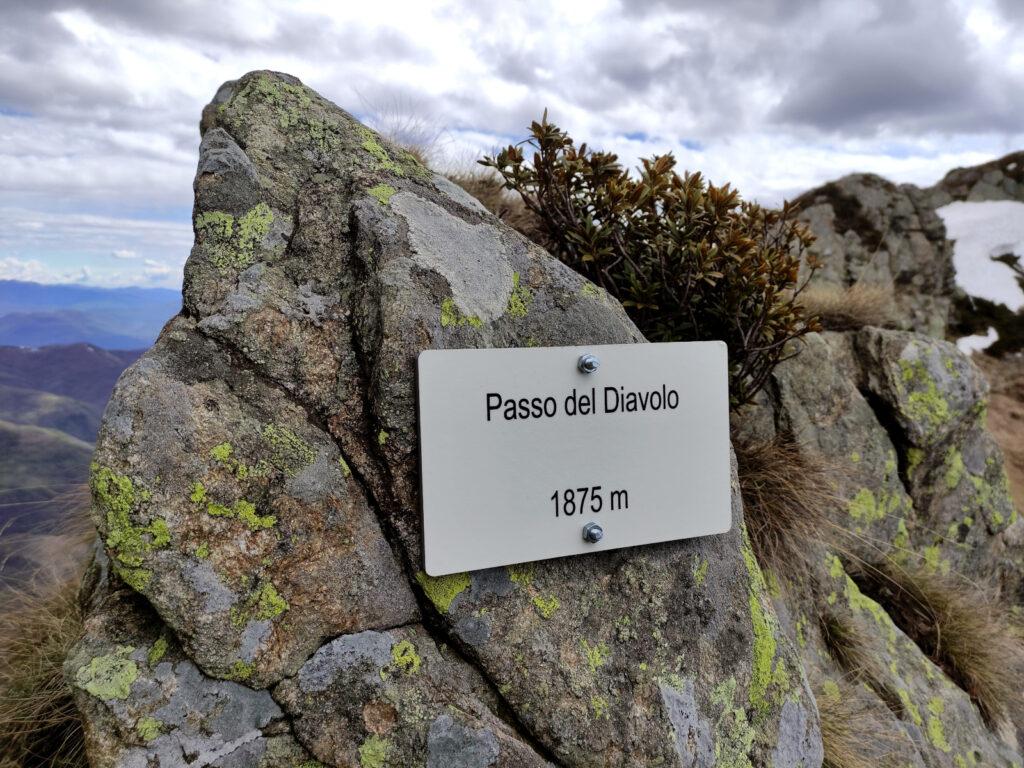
(786,497)
(39,724)
(489,189)
(852,728)
(964,631)
(851,307)
(40,620)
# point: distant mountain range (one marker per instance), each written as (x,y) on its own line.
(51,402)
(35,315)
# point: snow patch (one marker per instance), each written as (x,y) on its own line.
(981,231)
(977,342)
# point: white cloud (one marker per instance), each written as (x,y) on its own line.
(33,270)
(124,254)
(99,102)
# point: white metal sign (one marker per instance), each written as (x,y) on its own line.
(528,454)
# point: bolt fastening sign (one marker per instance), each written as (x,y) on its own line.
(528,454)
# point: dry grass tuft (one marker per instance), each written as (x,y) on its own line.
(852,729)
(962,630)
(847,644)
(489,189)
(849,308)
(40,619)
(39,723)
(786,495)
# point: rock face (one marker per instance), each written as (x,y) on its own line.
(920,483)
(872,231)
(1001,179)
(258,599)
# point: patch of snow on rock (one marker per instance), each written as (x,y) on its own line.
(981,231)
(977,342)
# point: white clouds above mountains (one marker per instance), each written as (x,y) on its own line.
(100,100)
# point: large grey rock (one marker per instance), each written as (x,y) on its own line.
(919,482)
(872,231)
(256,484)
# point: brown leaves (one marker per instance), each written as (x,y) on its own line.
(689,260)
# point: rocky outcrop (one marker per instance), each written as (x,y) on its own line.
(1001,179)
(258,599)
(871,231)
(920,484)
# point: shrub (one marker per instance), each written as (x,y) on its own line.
(688,260)
(962,630)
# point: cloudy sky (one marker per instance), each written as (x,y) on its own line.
(100,100)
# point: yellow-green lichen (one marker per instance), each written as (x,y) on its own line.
(914,458)
(954,468)
(734,735)
(117,498)
(925,405)
(346,470)
(373,753)
(290,453)
(229,244)
(700,572)
(599,705)
(520,299)
(865,507)
(452,317)
(136,578)
(198,495)
(933,560)
(109,677)
(404,656)
(801,631)
(382,437)
(442,590)
(382,193)
(269,603)
(246,512)
(596,655)
(157,651)
(936,732)
(262,604)
(521,574)
(148,728)
(910,708)
(590,290)
(241,671)
(765,645)
(546,606)
(203,551)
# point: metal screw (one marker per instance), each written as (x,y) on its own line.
(588,363)
(593,533)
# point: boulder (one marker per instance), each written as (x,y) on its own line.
(256,489)
(874,232)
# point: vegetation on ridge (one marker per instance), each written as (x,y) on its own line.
(688,260)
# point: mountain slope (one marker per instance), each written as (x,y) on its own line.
(37,467)
(79,371)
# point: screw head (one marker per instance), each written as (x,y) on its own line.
(593,533)
(588,363)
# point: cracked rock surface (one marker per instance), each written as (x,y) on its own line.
(258,596)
